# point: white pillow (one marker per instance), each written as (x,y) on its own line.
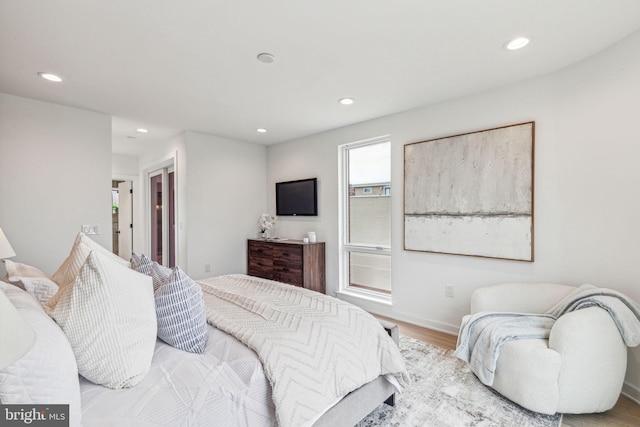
(70,268)
(182,322)
(30,279)
(108,315)
(46,374)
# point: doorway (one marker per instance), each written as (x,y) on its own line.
(162,216)
(122,218)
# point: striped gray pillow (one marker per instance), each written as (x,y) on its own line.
(182,322)
(135,259)
(159,274)
(142,264)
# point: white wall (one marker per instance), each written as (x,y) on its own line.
(587,146)
(221,194)
(227,194)
(55,175)
(124,165)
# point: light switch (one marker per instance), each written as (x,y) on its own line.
(90,229)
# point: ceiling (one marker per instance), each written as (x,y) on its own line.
(169,65)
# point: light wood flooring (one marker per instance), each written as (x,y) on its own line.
(625,413)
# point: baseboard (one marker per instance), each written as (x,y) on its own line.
(631,392)
(383,308)
(425,323)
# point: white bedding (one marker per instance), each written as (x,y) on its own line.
(314,348)
(227,384)
(238,393)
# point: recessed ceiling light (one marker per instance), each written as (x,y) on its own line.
(266,58)
(50,77)
(142,130)
(517,43)
(346,101)
(261,130)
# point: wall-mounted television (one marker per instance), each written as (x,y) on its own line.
(297,198)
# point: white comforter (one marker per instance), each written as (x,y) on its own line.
(225,386)
(230,386)
(314,348)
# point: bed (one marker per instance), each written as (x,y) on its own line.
(253,327)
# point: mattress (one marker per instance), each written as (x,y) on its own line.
(224,386)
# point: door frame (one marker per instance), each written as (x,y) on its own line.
(125,219)
(136,235)
(146,174)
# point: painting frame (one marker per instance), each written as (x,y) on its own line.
(472,193)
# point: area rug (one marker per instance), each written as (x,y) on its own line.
(444,392)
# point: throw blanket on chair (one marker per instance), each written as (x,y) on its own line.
(482,334)
(624,311)
(314,348)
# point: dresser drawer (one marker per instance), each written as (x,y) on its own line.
(260,249)
(287,264)
(287,255)
(260,266)
(292,276)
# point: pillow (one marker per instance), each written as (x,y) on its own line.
(108,315)
(31,279)
(159,274)
(70,268)
(47,373)
(182,322)
(143,264)
(135,260)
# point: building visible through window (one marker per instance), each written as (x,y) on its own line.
(366,248)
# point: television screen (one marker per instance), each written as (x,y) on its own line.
(297,197)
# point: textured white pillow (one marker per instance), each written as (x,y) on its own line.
(31,279)
(70,268)
(182,322)
(46,374)
(108,315)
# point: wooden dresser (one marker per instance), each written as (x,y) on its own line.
(288,261)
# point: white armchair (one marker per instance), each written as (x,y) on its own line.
(579,369)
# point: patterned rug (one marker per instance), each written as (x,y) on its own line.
(446,393)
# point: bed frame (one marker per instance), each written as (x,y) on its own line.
(361,402)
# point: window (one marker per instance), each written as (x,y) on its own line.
(365,227)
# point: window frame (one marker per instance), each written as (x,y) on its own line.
(345,248)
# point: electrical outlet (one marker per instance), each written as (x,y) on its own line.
(207,268)
(448,291)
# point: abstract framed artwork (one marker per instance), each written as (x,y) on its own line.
(471,194)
